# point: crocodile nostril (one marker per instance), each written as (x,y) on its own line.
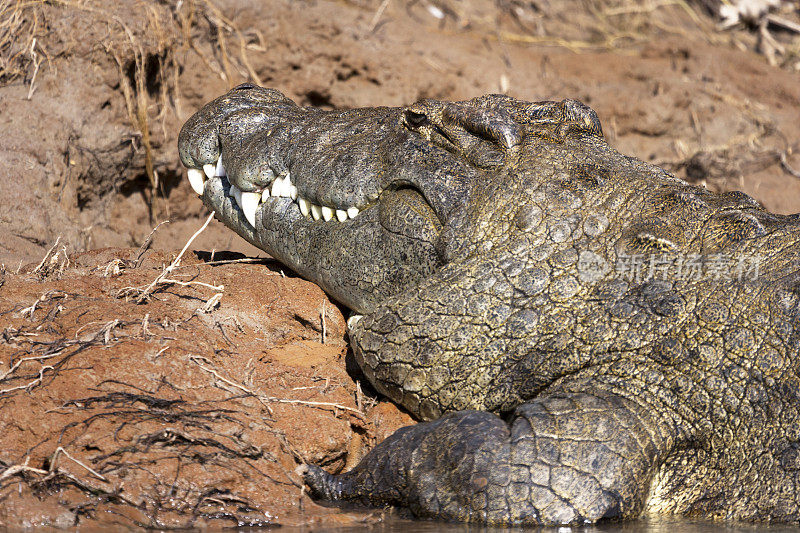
(245,86)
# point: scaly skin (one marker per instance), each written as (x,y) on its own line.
(488,259)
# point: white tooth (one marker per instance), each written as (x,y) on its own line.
(352,212)
(341,215)
(316,212)
(287,186)
(220,170)
(353,320)
(327,213)
(236,192)
(293,192)
(265,194)
(196,180)
(305,206)
(250,201)
(277,186)
(209,170)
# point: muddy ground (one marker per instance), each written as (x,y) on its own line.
(139,397)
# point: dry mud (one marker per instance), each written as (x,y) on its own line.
(183,408)
(167,407)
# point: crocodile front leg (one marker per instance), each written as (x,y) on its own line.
(565,458)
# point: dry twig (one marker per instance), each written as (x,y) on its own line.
(198,360)
(31,384)
(378,13)
(36,62)
(16,365)
(61,450)
(13,470)
(146,244)
(212,303)
(143,294)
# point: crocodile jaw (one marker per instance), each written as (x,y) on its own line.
(329,250)
(277,187)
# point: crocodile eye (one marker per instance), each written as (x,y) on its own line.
(416,120)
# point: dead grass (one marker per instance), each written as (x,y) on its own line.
(145,45)
(605,24)
(589,25)
(19,28)
(53,264)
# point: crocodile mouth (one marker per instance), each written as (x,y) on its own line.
(250,202)
(276,187)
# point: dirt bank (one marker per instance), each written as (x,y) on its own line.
(186,409)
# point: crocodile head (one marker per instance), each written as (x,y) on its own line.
(364,202)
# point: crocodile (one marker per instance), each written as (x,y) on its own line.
(582,335)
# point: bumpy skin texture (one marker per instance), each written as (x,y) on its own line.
(486,260)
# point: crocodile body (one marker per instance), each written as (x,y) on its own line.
(583,335)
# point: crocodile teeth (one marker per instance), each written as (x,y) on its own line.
(282,187)
(210,170)
(249,204)
(305,206)
(236,192)
(277,186)
(286,189)
(353,320)
(196,180)
(220,170)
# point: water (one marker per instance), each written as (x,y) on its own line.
(644,525)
